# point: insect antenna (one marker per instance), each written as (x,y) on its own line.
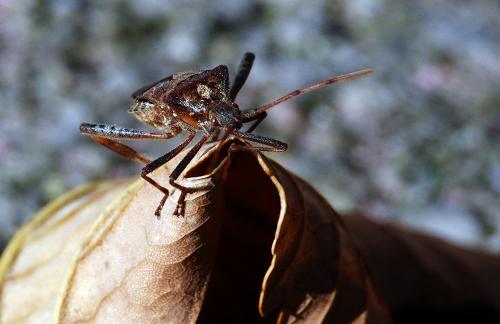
(242,75)
(312,87)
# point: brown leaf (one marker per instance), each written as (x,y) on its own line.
(259,239)
(126,265)
(316,274)
(87,259)
(422,277)
(34,265)
(136,268)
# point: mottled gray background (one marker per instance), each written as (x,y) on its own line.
(417,143)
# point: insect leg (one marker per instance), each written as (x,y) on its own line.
(179,210)
(271,145)
(217,151)
(242,75)
(105,135)
(121,149)
(111,131)
(258,119)
(158,163)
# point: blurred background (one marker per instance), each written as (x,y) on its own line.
(417,143)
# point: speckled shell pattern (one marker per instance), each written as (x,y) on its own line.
(181,101)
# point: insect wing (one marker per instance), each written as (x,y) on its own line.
(139,92)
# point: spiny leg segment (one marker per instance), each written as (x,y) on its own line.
(106,135)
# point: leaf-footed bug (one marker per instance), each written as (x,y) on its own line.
(194,101)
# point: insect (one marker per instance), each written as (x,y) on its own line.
(194,102)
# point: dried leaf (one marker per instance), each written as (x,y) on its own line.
(316,274)
(114,262)
(34,265)
(136,268)
(420,276)
(259,239)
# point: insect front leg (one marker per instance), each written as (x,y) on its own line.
(107,135)
(271,145)
(150,167)
(258,118)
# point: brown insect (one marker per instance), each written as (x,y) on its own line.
(194,102)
